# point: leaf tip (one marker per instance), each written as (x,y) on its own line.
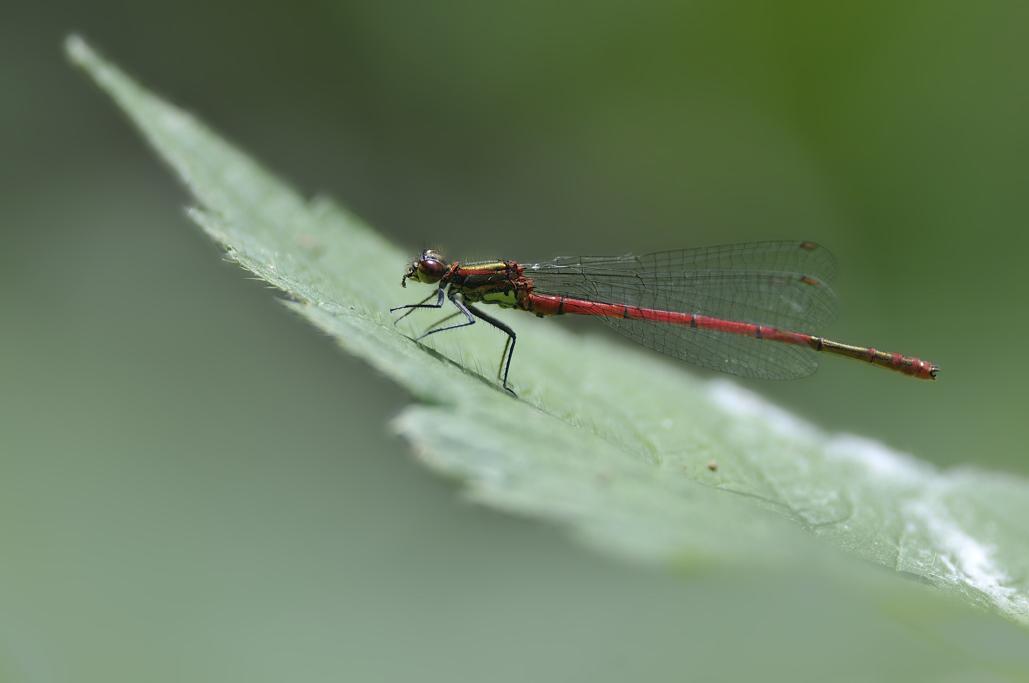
(78,50)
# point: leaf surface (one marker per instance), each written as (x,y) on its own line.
(614,445)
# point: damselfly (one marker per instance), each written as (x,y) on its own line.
(729,308)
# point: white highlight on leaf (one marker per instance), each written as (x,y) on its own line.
(900,496)
(737,401)
(965,559)
(879,459)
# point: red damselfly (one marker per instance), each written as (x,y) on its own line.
(729,308)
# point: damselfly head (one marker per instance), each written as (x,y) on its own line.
(428,268)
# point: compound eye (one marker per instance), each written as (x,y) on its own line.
(430,270)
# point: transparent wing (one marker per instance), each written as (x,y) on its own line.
(781,284)
(731,353)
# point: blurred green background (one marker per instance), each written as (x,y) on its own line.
(196,486)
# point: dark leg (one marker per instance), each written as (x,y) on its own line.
(470,311)
(461,307)
(442,320)
(421,304)
(508,347)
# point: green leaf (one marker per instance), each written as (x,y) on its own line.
(620,458)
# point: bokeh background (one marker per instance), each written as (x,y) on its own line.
(195,486)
